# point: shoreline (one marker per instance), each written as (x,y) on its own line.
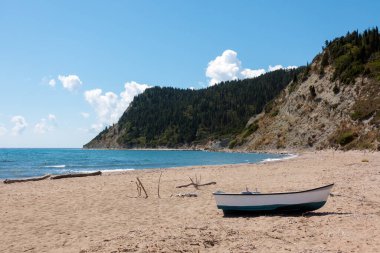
(223,150)
(104,214)
(120,170)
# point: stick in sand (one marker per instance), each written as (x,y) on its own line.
(138,189)
(158,187)
(196,184)
(142,186)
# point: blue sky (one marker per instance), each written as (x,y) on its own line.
(68,68)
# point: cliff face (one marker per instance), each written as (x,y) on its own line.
(334,103)
(317,114)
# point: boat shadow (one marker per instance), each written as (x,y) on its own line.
(243,214)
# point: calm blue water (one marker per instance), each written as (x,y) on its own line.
(18,163)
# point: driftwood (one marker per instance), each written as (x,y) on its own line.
(196,184)
(138,189)
(11,181)
(142,187)
(97,173)
(189,194)
(158,187)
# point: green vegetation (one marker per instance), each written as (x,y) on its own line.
(306,72)
(367,106)
(355,137)
(346,137)
(232,144)
(172,117)
(303,72)
(250,129)
(242,137)
(104,131)
(325,60)
(373,66)
(364,109)
(274,113)
(353,55)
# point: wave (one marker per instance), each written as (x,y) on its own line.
(290,156)
(116,170)
(103,171)
(55,166)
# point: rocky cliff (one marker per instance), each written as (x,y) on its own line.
(335,103)
(300,118)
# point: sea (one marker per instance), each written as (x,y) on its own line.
(21,163)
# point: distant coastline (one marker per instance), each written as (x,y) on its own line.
(225,150)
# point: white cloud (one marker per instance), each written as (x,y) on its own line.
(93,129)
(52,117)
(96,128)
(276,67)
(104,105)
(109,106)
(85,115)
(228,67)
(70,82)
(19,124)
(41,127)
(45,125)
(224,67)
(52,82)
(3,130)
(251,73)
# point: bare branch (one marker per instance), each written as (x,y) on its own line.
(158,187)
(138,187)
(195,185)
(97,173)
(142,186)
(10,181)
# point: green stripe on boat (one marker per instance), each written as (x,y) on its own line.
(284,207)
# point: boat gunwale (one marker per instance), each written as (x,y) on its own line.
(274,193)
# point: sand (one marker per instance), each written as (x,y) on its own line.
(101,214)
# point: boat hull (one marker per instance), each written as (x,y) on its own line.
(303,201)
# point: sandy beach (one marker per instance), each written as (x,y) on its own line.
(102,214)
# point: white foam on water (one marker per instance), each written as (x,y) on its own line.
(55,166)
(103,171)
(290,156)
(116,170)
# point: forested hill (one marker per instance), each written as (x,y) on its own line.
(172,117)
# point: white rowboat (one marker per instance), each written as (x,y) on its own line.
(302,201)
